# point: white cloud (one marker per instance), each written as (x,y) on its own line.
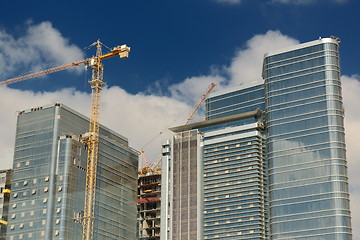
(308,2)
(231,2)
(246,65)
(351,89)
(192,88)
(42,46)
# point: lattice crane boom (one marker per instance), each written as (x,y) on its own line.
(92,139)
(42,73)
(122,51)
(199,102)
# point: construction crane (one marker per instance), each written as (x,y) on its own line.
(147,169)
(92,138)
(150,169)
(143,171)
(199,102)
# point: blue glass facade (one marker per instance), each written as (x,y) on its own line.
(49,179)
(246,98)
(305,138)
(279,173)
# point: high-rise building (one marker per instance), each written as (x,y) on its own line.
(269,159)
(305,141)
(5,190)
(229,200)
(48,184)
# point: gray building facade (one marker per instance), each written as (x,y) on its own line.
(49,166)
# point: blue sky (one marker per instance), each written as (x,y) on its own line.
(177,49)
(172,40)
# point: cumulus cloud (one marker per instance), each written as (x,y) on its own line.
(231,2)
(351,89)
(308,2)
(192,88)
(40,47)
(246,65)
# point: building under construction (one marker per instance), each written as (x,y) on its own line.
(149,201)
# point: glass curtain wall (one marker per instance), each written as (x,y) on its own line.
(246,98)
(307,165)
(49,178)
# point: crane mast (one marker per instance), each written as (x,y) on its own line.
(93,143)
(92,139)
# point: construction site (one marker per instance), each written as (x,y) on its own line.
(88,163)
(86,166)
(149,203)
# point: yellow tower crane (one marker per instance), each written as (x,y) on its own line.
(92,139)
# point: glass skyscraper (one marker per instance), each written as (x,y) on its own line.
(271,155)
(308,188)
(47,198)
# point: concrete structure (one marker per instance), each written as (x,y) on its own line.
(149,205)
(5,190)
(166,193)
(47,197)
(269,161)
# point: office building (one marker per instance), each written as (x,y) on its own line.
(305,141)
(47,198)
(5,190)
(269,160)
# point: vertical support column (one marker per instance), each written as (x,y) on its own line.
(66,177)
(52,179)
(165,191)
(200,186)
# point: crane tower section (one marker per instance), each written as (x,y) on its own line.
(93,136)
